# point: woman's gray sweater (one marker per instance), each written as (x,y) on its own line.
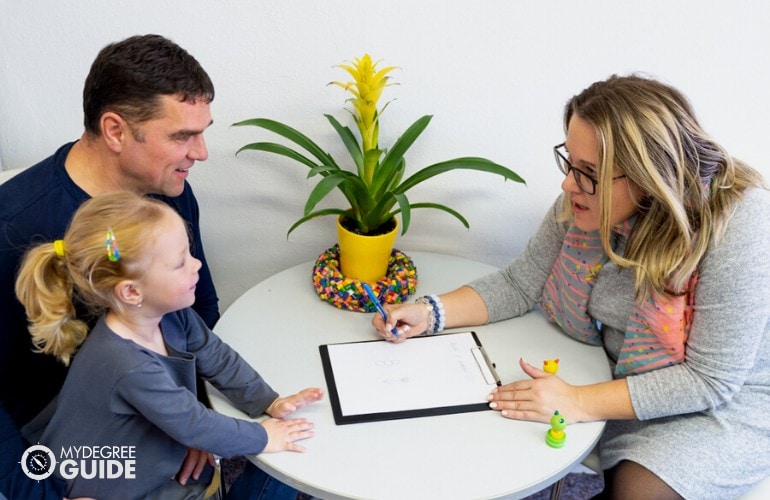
(703,425)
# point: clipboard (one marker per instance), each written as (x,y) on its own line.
(378,380)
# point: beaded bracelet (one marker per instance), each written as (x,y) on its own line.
(431,316)
(436,313)
(441,313)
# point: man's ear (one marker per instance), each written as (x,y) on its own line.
(128,293)
(114,129)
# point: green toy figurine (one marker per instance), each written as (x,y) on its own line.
(555,437)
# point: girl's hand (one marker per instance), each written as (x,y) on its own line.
(410,320)
(282,407)
(282,434)
(536,399)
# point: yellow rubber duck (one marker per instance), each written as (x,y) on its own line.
(551,366)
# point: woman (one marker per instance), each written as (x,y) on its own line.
(659,250)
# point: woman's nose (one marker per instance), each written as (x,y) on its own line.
(569,184)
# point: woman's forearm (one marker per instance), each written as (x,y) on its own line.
(464,307)
(605,401)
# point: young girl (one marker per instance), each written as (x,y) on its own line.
(132,383)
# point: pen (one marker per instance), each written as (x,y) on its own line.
(377,304)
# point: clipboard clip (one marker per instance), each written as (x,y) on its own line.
(486,366)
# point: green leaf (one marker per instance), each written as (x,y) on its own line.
(350,142)
(443,208)
(379,213)
(323,188)
(279,149)
(406,212)
(393,162)
(323,170)
(357,194)
(466,163)
(402,144)
(290,133)
(390,183)
(319,213)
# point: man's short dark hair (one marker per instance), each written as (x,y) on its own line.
(130,76)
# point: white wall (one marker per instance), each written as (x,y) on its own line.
(494,74)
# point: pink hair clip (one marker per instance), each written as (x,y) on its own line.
(112,246)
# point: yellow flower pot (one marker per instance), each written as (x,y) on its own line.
(365,258)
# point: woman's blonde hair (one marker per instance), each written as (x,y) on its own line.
(50,284)
(648,130)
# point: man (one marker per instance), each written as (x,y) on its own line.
(146,104)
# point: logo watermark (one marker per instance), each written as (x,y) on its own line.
(38,462)
(88,462)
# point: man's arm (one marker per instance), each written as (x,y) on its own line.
(13,482)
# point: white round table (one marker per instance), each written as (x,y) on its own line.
(277,327)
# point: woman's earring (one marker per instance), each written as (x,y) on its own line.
(139,305)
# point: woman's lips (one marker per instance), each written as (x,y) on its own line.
(577,207)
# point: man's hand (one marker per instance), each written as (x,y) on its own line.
(193,465)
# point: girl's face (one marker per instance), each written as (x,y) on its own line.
(170,271)
(583,148)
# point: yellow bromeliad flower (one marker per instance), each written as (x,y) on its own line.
(366,87)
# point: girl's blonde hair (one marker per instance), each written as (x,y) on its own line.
(49,285)
(648,130)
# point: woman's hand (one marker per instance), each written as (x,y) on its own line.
(410,320)
(282,434)
(462,307)
(536,399)
(282,407)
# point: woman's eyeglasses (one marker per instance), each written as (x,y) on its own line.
(584,181)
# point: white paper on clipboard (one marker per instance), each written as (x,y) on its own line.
(423,373)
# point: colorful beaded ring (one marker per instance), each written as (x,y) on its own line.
(348,293)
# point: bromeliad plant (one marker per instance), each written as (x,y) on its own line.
(376,190)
